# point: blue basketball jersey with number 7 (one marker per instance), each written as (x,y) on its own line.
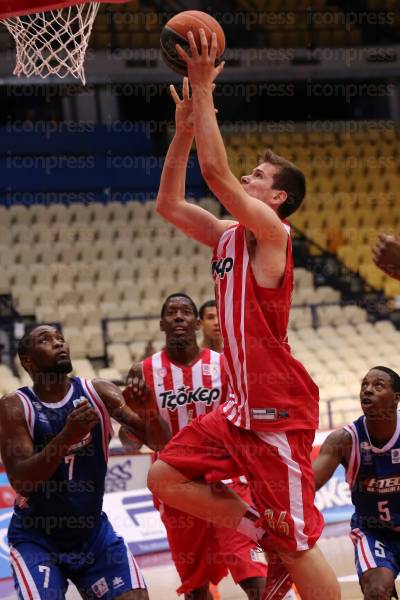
(67,507)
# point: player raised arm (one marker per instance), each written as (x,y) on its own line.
(334,451)
(193,220)
(26,468)
(249,211)
(149,426)
(138,399)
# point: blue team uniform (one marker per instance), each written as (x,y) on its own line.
(374,478)
(60,532)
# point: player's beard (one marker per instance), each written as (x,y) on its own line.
(61,368)
(179,342)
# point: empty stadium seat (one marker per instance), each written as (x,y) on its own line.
(125,269)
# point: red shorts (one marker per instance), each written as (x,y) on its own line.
(204,553)
(277,466)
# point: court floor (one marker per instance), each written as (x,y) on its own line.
(162,579)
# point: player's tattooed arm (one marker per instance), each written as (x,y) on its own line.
(148,426)
(335,451)
(129,441)
(26,468)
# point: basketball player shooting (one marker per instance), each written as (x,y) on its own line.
(266,431)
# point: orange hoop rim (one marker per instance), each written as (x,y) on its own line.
(19,8)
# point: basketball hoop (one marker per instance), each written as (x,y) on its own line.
(51,37)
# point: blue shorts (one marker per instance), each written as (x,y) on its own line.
(376,550)
(103,568)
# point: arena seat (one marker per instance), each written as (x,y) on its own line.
(122,261)
(83,368)
(120,357)
(111,374)
(337,212)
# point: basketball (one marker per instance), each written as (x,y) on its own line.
(176,30)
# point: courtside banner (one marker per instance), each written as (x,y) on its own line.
(133,516)
(334,499)
(5,516)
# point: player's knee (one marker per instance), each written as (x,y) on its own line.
(160,478)
(377,584)
(254,587)
(202,593)
(377,591)
(155,477)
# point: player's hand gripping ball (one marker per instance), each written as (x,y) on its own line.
(176,30)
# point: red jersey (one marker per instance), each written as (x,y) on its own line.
(184,392)
(272,390)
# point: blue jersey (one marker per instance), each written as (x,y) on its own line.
(67,508)
(373,475)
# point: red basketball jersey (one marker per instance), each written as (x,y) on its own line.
(184,392)
(272,390)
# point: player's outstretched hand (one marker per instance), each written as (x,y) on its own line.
(201,65)
(183,108)
(137,384)
(387,254)
(79,423)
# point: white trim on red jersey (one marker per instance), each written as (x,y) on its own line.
(183,392)
(272,390)
(235,337)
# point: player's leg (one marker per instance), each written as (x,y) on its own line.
(202,593)
(210,442)
(312,574)
(240,554)
(194,453)
(35,574)
(376,565)
(213,502)
(111,571)
(282,484)
(378,584)
(253,587)
(194,550)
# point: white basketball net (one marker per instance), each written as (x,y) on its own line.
(53,42)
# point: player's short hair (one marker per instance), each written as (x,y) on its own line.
(394,377)
(202,309)
(288,178)
(25,343)
(179,295)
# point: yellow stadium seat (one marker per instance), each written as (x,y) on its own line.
(392,287)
